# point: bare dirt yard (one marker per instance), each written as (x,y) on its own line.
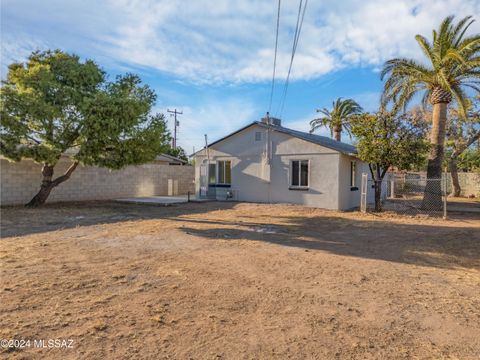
(237,281)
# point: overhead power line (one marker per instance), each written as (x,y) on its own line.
(275,57)
(296,36)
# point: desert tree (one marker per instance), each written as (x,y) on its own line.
(386,140)
(462,132)
(178,152)
(338,118)
(54,105)
(452,65)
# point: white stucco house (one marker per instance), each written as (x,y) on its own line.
(266,162)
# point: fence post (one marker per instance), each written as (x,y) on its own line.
(392,186)
(445,196)
(363,193)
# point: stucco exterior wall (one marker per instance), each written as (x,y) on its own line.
(253,180)
(19,182)
(349,197)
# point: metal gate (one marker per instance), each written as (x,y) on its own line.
(407,194)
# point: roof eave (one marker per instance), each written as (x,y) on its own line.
(279,129)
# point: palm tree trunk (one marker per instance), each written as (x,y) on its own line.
(337,132)
(432,198)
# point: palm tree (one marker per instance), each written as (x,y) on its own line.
(454,65)
(337,119)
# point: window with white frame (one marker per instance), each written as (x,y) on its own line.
(353,173)
(299,173)
(224,172)
(211,173)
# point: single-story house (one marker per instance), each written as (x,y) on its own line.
(266,162)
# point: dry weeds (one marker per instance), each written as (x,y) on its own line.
(224,280)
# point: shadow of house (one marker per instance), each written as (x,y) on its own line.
(422,245)
(434,244)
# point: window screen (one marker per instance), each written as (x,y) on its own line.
(211,174)
(304,173)
(295,173)
(353,173)
(258,136)
(299,173)
(224,172)
(221,172)
(228,172)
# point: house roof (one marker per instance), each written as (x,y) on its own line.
(170,158)
(324,141)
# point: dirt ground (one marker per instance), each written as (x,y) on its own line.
(237,281)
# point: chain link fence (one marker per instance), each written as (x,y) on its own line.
(407,194)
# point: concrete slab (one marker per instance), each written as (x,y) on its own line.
(160,200)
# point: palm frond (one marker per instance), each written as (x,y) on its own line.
(339,116)
(454,59)
(426,48)
(461,99)
(461,29)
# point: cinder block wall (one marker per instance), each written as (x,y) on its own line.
(469,183)
(20,181)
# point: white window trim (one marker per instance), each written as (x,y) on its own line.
(290,179)
(224,172)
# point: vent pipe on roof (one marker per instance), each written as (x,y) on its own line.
(270,120)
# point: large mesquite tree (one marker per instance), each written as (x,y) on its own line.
(386,140)
(55,105)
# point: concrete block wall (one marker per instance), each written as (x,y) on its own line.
(469,183)
(20,181)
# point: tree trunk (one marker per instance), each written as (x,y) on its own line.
(337,132)
(45,188)
(432,198)
(378,194)
(48,185)
(456,190)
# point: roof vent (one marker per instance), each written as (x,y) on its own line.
(271,120)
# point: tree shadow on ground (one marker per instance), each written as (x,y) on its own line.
(417,244)
(428,244)
(20,221)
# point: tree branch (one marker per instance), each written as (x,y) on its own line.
(371,171)
(384,172)
(33,139)
(67,174)
(461,149)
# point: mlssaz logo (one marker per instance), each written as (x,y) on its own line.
(54,344)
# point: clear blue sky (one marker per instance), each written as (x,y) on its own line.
(213,59)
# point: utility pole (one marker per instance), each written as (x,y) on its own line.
(208,166)
(175,124)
